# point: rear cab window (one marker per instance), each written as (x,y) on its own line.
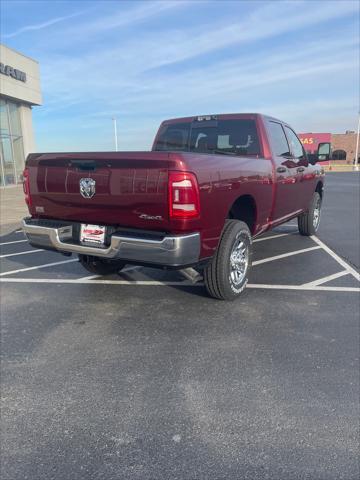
(212,136)
(174,136)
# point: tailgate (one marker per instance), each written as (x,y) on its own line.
(114,188)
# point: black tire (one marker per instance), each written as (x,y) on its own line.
(219,274)
(100,266)
(309,222)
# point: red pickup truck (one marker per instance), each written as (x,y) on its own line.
(208,187)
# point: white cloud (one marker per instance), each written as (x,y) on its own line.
(136,78)
(40,26)
(119,18)
(125,17)
(123,63)
(130,85)
(167,47)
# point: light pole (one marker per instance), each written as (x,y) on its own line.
(115,134)
(357,145)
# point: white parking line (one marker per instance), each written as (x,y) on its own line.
(96,282)
(90,277)
(302,287)
(183,284)
(27,269)
(21,253)
(336,257)
(124,270)
(284,255)
(189,273)
(16,241)
(271,238)
(322,280)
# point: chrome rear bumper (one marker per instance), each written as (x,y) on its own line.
(172,250)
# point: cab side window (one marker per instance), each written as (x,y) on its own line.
(295,144)
(278,140)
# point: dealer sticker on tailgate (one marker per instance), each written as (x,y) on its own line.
(92,234)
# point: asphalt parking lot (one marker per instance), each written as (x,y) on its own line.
(142,376)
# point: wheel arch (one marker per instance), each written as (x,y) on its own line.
(244,209)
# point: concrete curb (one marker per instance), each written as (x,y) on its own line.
(340,168)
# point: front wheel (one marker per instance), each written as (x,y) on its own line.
(309,222)
(226,275)
(100,266)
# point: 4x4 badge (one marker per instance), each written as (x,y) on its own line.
(87,187)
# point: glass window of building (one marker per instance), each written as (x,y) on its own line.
(11,144)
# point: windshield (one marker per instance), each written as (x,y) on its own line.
(228,137)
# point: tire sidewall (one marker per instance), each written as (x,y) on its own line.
(239,230)
(316,199)
(306,220)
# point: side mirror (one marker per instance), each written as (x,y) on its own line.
(324,151)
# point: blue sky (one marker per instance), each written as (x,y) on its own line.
(144,61)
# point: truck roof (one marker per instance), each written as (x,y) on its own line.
(223,116)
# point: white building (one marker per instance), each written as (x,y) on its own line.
(19,92)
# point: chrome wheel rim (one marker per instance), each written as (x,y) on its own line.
(239,261)
(316,214)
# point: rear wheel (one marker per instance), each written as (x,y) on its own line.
(100,266)
(226,275)
(309,222)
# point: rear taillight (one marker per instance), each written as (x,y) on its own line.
(183,195)
(26,187)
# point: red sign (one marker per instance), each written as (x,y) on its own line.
(311,141)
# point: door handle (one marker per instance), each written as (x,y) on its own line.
(281,169)
(300,169)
